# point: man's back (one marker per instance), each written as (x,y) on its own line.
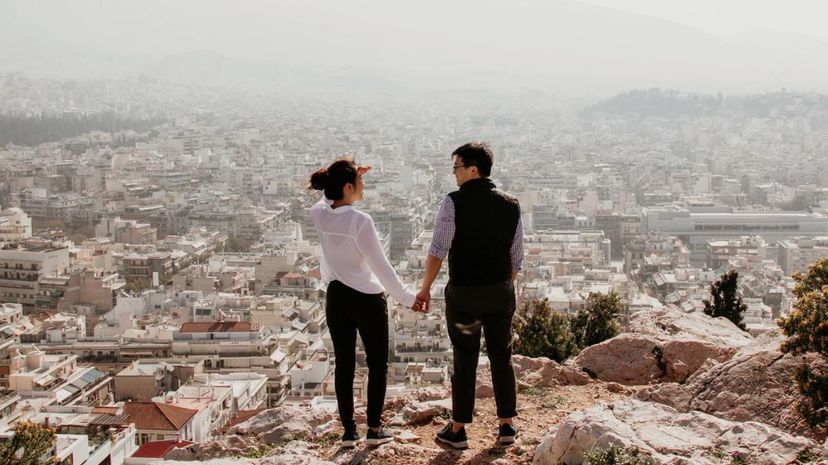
(478,227)
(485,223)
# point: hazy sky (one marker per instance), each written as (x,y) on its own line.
(734,16)
(234,26)
(637,42)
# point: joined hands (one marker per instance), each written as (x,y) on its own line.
(422,302)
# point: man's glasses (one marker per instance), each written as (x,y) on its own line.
(454,168)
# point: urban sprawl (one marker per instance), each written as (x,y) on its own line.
(159,285)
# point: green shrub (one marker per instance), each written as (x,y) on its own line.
(737,458)
(616,455)
(598,321)
(726,300)
(806,328)
(541,332)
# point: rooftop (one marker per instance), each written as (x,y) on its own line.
(158,449)
(218,327)
(157,416)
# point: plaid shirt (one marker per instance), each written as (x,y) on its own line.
(444,234)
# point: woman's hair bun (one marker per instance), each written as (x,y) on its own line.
(333,179)
(319,179)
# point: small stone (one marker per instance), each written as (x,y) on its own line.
(484,391)
(406,437)
(425,411)
(616,388)
(396,420)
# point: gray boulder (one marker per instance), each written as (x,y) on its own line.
(756,384)
(667,436)
(545,372)
(664,345)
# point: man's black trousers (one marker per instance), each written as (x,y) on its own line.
(468,310)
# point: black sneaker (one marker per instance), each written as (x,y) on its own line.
(380,436)
(507,433)
(350,439)
(457,440)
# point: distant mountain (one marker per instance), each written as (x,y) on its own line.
(657,102)
(205,67)
(672,103)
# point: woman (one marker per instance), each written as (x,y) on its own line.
(354,265)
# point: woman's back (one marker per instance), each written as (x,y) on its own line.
(341,259)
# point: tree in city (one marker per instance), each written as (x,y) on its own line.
(134,287)
(33,130)
(598,321)
(806,331)
(542,332)
(726,300)
(31,441)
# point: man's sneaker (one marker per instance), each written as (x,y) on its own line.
(507,433)
(457,440)
(350,439)
(380,436)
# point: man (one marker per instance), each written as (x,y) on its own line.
(479,228)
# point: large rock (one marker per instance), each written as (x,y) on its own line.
(419,412)
(522,364)
(285,415)
(225,461)
(295,453)
(665,345)
(627,359)
(282,424)
(394,452)
(271,428)
(666,435)
(225,446)
(756,384)
(672,323)
(544,372)
(236,448)
(397,402)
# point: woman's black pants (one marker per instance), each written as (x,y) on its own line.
(348,311)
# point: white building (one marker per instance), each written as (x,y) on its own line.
(15,225)
(696,229)
(800,253)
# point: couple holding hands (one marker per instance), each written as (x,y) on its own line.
(479,228)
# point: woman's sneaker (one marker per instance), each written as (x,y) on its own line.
(350,439)
(457,440)
(380,436)
(507,433)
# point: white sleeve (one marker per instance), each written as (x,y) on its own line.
(368,243)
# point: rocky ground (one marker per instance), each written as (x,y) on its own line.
(684,390)
(539,409)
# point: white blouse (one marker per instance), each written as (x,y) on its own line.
(352,253)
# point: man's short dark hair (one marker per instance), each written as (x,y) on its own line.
(476,154)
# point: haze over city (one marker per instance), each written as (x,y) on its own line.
(559,47)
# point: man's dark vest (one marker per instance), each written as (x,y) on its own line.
(485,221)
